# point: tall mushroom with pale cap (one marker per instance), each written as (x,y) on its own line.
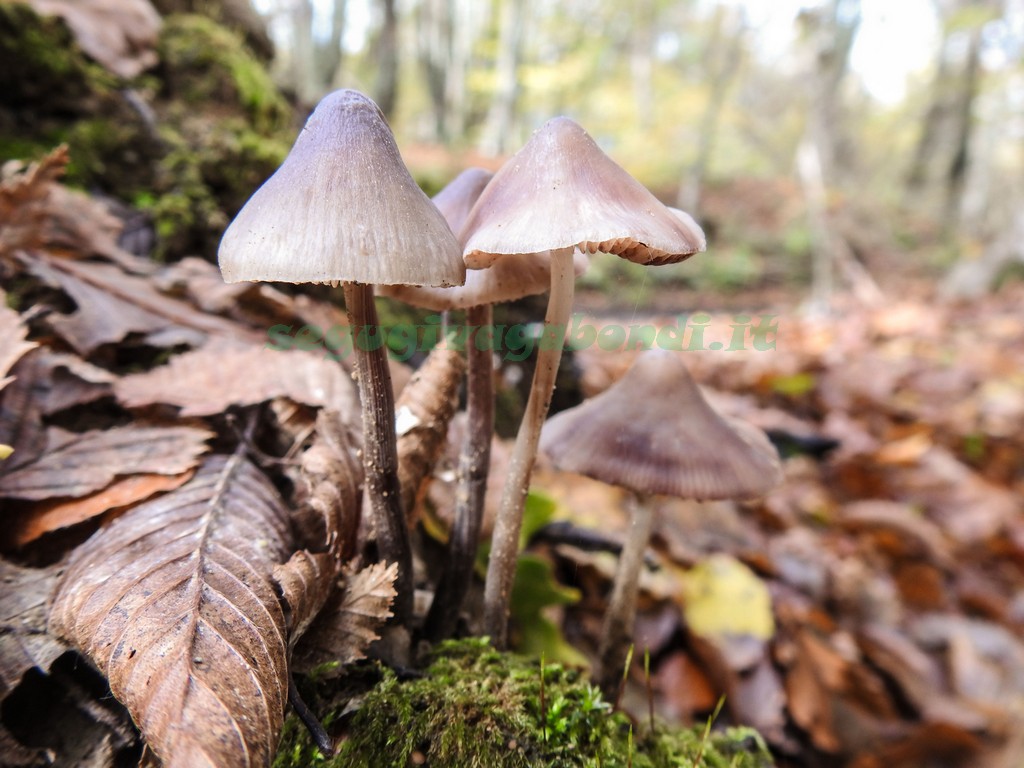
(652,432)
(558,193)
(343,208)
(506,280)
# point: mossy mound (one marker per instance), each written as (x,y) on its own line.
(476,708)
(203,65)
(187,142)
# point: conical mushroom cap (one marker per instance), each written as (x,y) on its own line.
(459,196)
(506,280)
(342,206)
(561,191)
(654,433)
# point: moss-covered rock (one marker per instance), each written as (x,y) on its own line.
(475,707)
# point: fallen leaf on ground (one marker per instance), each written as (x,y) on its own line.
(174,603)
(212,379)
(349,622)
(113,304)
(14,334)
(54,515)
(24,641)
(119,34)
(76,464)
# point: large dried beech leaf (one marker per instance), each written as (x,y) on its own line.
(76,464)
(174,603)
(211,379)
(350,620)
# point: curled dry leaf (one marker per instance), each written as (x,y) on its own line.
(212,379)
(348,624)
(424,410)
(174,603)
(74,465)
(327,522)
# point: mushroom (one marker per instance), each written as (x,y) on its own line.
(558,193)
(652,432)
(343,208)
(507,280)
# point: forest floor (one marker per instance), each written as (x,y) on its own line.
(867,612)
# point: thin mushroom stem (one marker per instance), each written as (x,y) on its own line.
(474,463)
(617,631)
(380,456)
(501,570)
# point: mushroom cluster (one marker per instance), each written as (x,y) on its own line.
(343,209)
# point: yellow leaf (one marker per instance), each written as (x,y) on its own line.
(5,451)
(724,597)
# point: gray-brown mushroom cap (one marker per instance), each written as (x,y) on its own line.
(561,191)
(506,280)
(342,206)
(654,433)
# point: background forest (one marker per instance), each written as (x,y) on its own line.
(862,127)
(858,168)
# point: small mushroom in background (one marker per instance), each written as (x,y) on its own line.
(507,280)
(343,208)
(652,432)
(558,193)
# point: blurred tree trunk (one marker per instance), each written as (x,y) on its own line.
(722,59)
(386,58)
(332,54)
(303,69)
(942,156)
(497,135)
(435,42)
(641,60)
(825,153)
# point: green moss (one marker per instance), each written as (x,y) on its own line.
(40,62)
(205,64)
(477,707)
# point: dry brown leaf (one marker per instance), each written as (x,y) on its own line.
(119,34)
(330,488)
(21,416)
(38,213)
(212,379)
(47,517)
(76,464)
(174,603)
(24,642)
(14,334)
(113,304)
(348,624)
